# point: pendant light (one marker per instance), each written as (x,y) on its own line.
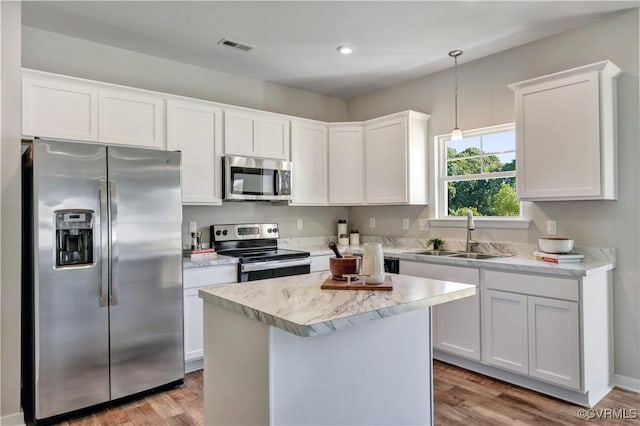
(456,134)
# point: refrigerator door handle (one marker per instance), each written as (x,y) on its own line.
(113,208)
(104,243)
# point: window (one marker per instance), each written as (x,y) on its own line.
(478,173)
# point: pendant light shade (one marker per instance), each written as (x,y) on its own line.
(456,134)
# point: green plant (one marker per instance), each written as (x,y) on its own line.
(437,243)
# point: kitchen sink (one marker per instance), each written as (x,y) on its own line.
(435,252)
(460,255)
(476,255)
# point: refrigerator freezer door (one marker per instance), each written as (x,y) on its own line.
(71,334)
(146,269)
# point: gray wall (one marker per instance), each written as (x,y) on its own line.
(10,132)
(317,221)
(485,100)
(47,51)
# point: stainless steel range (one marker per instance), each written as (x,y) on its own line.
(256,247)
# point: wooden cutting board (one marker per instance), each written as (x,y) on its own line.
(331,284)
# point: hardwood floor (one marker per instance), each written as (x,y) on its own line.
(461,397)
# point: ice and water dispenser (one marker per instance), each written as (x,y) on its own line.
(74,237)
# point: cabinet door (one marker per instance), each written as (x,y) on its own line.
(320,263)
(193,325)
(240,133)
(345,165)
(195,129)
(504,330)
(131,118)
(59,109)
(309,150)
(554,352)
(456,325)
(386,162)
(558,139)
(273,137)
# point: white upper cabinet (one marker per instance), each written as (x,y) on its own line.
(566,134)
(195,129)
(396,159)
(256,134)
(131,117)
(309,151)
(346,172)
(59,108)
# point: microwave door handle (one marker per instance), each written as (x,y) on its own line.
(276,186)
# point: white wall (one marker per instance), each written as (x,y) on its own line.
(485,100)
(10,132)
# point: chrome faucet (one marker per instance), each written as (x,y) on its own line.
(470,227)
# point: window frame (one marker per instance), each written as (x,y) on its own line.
(442,211)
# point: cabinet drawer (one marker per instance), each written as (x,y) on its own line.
(536,285)
(206,276)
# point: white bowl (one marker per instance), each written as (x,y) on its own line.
(555,244)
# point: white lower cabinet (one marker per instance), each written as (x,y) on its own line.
(505,330)
(193,325)
(456,325)
(549,333)
(523,332)
(554,351)
(320,263)
(194,279)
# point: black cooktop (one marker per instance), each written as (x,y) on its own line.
(264,255)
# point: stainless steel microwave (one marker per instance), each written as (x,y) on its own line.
(248,178)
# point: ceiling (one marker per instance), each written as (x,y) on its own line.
(294,42)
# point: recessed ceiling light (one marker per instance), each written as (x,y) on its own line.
(344,49)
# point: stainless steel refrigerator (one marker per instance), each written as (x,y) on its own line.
(102,274)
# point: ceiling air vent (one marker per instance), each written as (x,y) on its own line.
(235,45)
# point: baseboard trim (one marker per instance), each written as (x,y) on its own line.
(16,419)
(626,383)
(196,364)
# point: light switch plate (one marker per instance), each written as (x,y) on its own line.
(405,224)
(299,225)
(372,222)
(552,227)
(193,227)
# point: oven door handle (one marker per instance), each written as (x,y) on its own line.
(274,264)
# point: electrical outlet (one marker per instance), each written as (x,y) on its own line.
(193,227)
(372,222)
(423,224)
(552,227)
(299,225)
(405,224)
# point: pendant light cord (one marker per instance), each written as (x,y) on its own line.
(455,74)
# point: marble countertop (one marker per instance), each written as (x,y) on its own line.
(297,304)
(520,256)
(219,260)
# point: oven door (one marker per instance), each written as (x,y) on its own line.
(247,178)
(273,269)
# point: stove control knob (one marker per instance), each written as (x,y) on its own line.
(225,232)
(275,230)
(269,230)
(218,232)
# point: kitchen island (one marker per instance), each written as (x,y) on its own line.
(284,351)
